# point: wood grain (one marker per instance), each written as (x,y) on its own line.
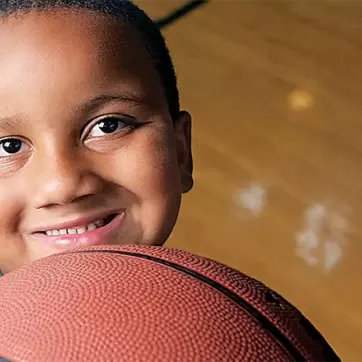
(275,91)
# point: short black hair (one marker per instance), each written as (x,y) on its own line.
(126,12)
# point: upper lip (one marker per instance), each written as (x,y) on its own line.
(74,222)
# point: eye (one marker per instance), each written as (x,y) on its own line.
(12,146)
(110,125)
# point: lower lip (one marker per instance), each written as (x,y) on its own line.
(100,236)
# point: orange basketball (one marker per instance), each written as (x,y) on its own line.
(138,303)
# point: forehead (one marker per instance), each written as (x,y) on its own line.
(47,53)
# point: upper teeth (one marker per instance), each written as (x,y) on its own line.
(79,230)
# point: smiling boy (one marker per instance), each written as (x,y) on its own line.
(93,146)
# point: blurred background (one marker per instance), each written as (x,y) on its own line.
(275,91)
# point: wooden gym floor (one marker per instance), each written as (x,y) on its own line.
(275,90)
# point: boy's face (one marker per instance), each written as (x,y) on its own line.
(86,138)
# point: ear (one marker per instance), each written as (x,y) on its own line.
(183,148)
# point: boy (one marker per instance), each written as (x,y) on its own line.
(93,146)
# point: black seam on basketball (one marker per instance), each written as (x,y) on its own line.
(283,340)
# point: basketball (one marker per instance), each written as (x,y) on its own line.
(139,303)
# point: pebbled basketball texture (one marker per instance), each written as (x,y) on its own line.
(141,303)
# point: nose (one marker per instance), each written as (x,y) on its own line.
(62,180)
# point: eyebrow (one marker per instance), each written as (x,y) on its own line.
(18,120)
(103,99)
(12,122)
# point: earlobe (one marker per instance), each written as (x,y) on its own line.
(184,150)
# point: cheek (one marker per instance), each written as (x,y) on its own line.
(148,165)
(12,247)
(148,170)
(12,202)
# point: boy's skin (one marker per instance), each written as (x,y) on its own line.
(68,167)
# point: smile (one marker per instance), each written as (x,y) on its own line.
(102,231)
(81,229)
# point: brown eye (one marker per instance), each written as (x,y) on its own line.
(12,146)
(108,125)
